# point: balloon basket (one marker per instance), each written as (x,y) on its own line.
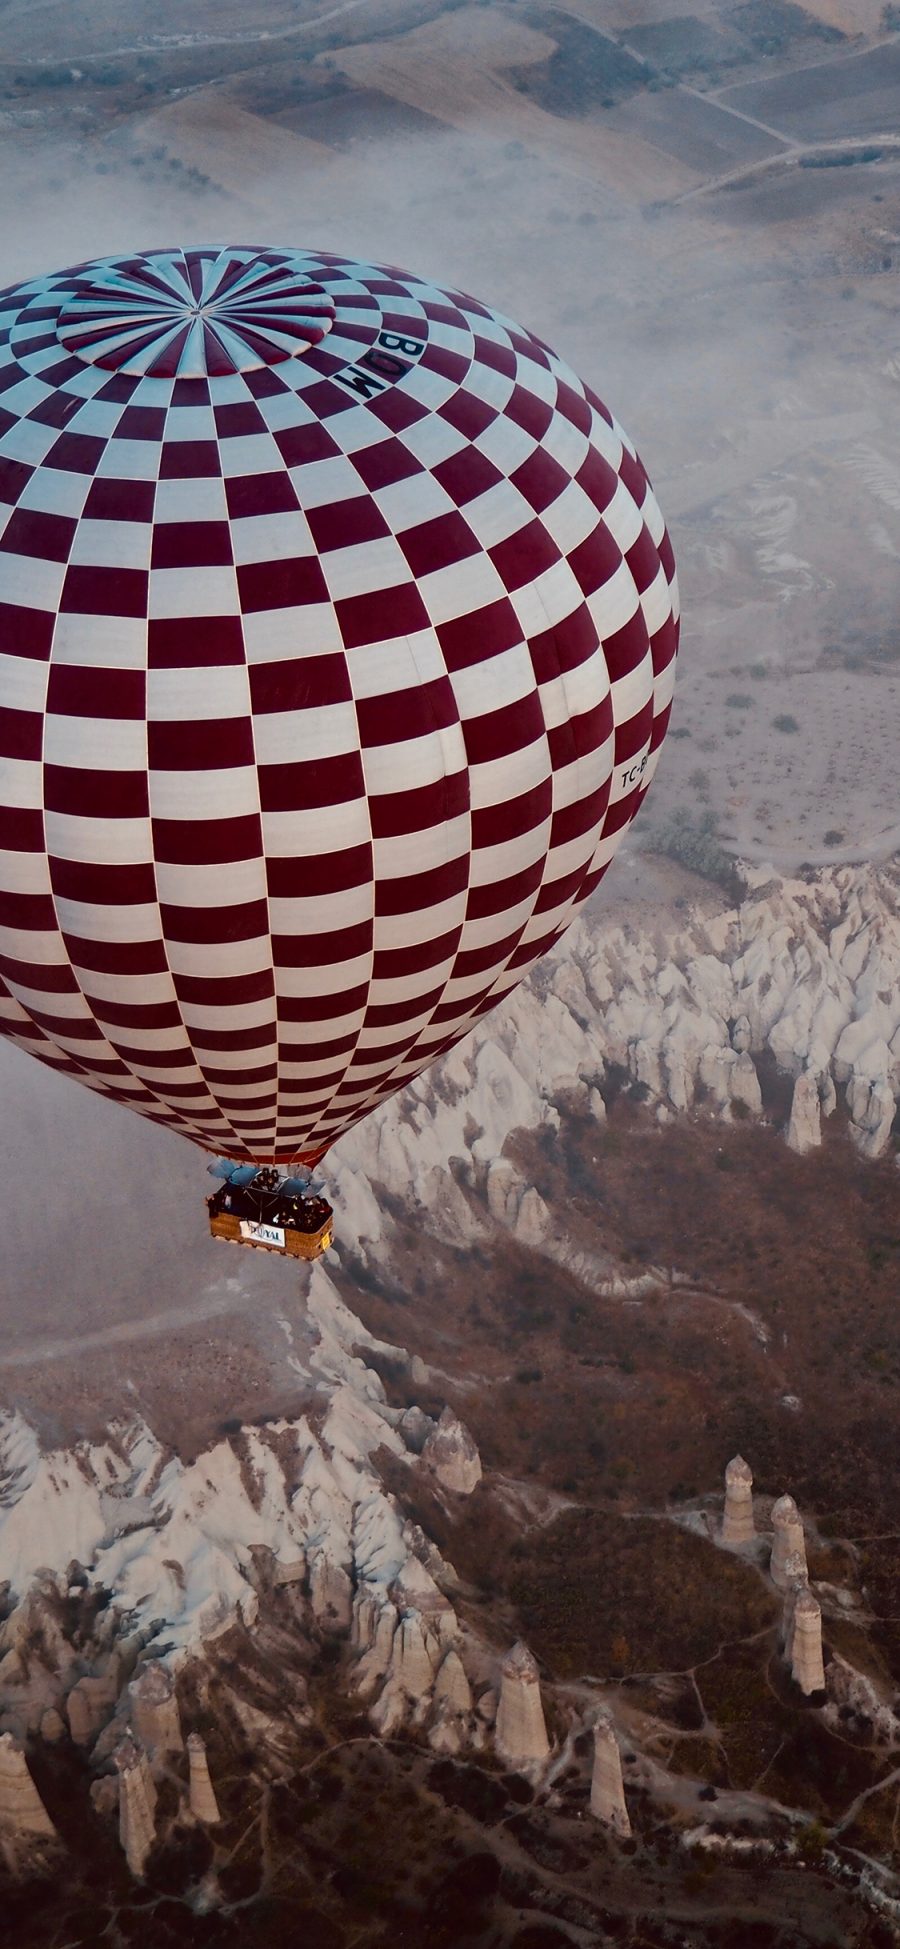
(256,1206)
(285,1239)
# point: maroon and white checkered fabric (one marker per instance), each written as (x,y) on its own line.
(338,626)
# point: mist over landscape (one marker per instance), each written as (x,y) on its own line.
(644,1220)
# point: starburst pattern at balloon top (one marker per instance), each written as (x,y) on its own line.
(195,314)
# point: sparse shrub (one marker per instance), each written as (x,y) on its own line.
(833,837)
(693,843)
(699,781)
(785,722)
(738,700)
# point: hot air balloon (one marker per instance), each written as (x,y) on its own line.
(338,626)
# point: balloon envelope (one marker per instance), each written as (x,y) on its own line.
(337,635)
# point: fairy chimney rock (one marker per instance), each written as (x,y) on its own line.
(452,1690)
(449,1730)
(607,1789)
(154,1711)
(411,1664)
(796,1579)
(451,1455)
(806,1644)
(203,1802)
(804,1131)
(90,1704)
(737,1518)
(330,1594)
(21,1806)
(137,1804)
(520,1733)
(787,1539)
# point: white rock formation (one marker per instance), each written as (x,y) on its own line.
(91,1703)
(804,1131)
(412,1661)
(796,1579)
(737,1517)
(153,1710)
(808,970)
(175,1543)
(137,1804)
(415,1426)
(787,1540)
(330,1593)
(375,1662)
(806,1643)
(410,1679)
(452,1708)
(21,1808)
(607,1787)
(203,1803)
(451,1455)
(520,1734)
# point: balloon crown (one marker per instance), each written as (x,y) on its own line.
(195,314)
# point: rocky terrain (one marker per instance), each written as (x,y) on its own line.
(478,1576)
(689,1012)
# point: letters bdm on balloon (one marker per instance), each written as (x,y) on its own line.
(339,625)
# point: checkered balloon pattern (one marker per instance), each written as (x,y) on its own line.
(338,626)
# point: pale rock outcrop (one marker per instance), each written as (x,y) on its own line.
(872,1109)
(415,1593)
(796,1579)
(90,1705)
(804,1131)
(415,1426)
(153,1710)
(53,1727)
(21,1807)
(533,1219)
(451,1687)
(504,1189)
(451,1712)
(407,1691)
(364,1620)
(421,1546)
(137,1804)
(607,1787)
(375,1662)
(105,1795)
(807,1667)
(806,969)
(203,1803)
(486,1706)
(737,1517)
(787,1539)
(330,1593)
(412,1659)
(520,1734)
(451,1455)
